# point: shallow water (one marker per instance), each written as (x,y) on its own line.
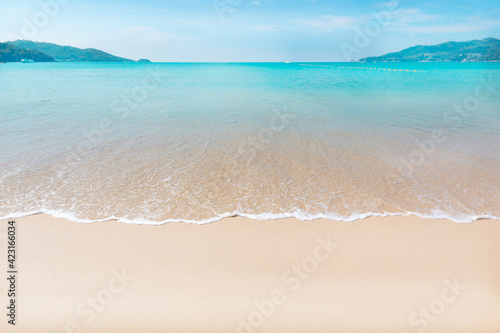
(152,143)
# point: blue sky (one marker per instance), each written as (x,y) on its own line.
(248,30)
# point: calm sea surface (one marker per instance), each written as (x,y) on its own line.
(155,143)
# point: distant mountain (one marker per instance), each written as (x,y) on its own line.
(11,53)
(69,53)
(487,49)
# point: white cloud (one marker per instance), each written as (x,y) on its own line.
(389,4)
(267,27)
(147,33)
(404,20)
(469,26)
(331,22)
(413,15)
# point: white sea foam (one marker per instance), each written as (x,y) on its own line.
(304,216)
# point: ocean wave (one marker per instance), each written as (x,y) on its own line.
(298,214)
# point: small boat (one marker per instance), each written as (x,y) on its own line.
(27,61)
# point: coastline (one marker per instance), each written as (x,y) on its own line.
(302,216)
(370,275)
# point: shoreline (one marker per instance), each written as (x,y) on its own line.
(256,217)
(242,275)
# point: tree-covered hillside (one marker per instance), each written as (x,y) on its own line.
(11,53)
(69,53)
(487,49)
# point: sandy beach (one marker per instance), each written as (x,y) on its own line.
(249,166)
(393,274)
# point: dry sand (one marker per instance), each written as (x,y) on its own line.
(394,274)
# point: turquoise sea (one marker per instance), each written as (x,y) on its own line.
(170,142)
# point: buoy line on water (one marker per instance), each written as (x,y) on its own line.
(316,65)
(381,68)
(357,67)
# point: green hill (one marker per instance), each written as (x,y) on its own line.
(11,53)
(487,49)
(69,53)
